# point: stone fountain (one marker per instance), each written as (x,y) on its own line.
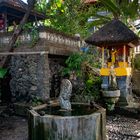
(112,94)
(66,121)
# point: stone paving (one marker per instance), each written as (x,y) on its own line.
(13,128)
(123,128)
(119,127)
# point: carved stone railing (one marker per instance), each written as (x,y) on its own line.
(58,38)
(53,37)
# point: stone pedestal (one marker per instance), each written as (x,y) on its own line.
(111,98)
(124,85)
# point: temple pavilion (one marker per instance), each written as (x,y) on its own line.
(12,11)
(115,40)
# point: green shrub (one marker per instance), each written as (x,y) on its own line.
(2,72)
(137,62)
(78,63)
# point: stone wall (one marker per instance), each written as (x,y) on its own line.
(136,88)
(124,84)
(136,81)
(29,77)
(34,76)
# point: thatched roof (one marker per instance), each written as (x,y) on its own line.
(113,33)
(16,9)
(14,3)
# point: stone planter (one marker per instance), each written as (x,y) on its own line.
(111,97)
(91,126)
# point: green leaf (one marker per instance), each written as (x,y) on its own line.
(97,23)
(2,72)
(129,10)
(112,7)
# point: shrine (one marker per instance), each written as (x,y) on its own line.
(12,11)
(115,40)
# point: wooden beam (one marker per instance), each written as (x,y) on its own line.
(124,54)
(132,45)
(102,57)
(13,15)
(4,16)
(24,53)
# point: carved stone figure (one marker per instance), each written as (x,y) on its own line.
(112,79)
(65,94)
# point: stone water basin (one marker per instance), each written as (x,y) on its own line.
(82,123)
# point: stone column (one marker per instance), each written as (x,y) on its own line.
(46,93)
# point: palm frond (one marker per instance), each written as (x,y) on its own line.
(98,22)
(112,7)
(129,10)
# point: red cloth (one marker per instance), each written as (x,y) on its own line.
(120,51)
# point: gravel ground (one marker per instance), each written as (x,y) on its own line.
(123,128)
(13,128)
(119,127)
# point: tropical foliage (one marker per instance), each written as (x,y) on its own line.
(2,72)
(68,16)
(82,66)
(125,10)
(74,16)
(137,62)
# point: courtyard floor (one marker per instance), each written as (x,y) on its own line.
(119,127)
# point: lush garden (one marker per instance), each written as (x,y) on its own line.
(77,20)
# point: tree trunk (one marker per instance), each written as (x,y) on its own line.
(18,30)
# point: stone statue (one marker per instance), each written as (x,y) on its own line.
(112,79)
(65,94)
